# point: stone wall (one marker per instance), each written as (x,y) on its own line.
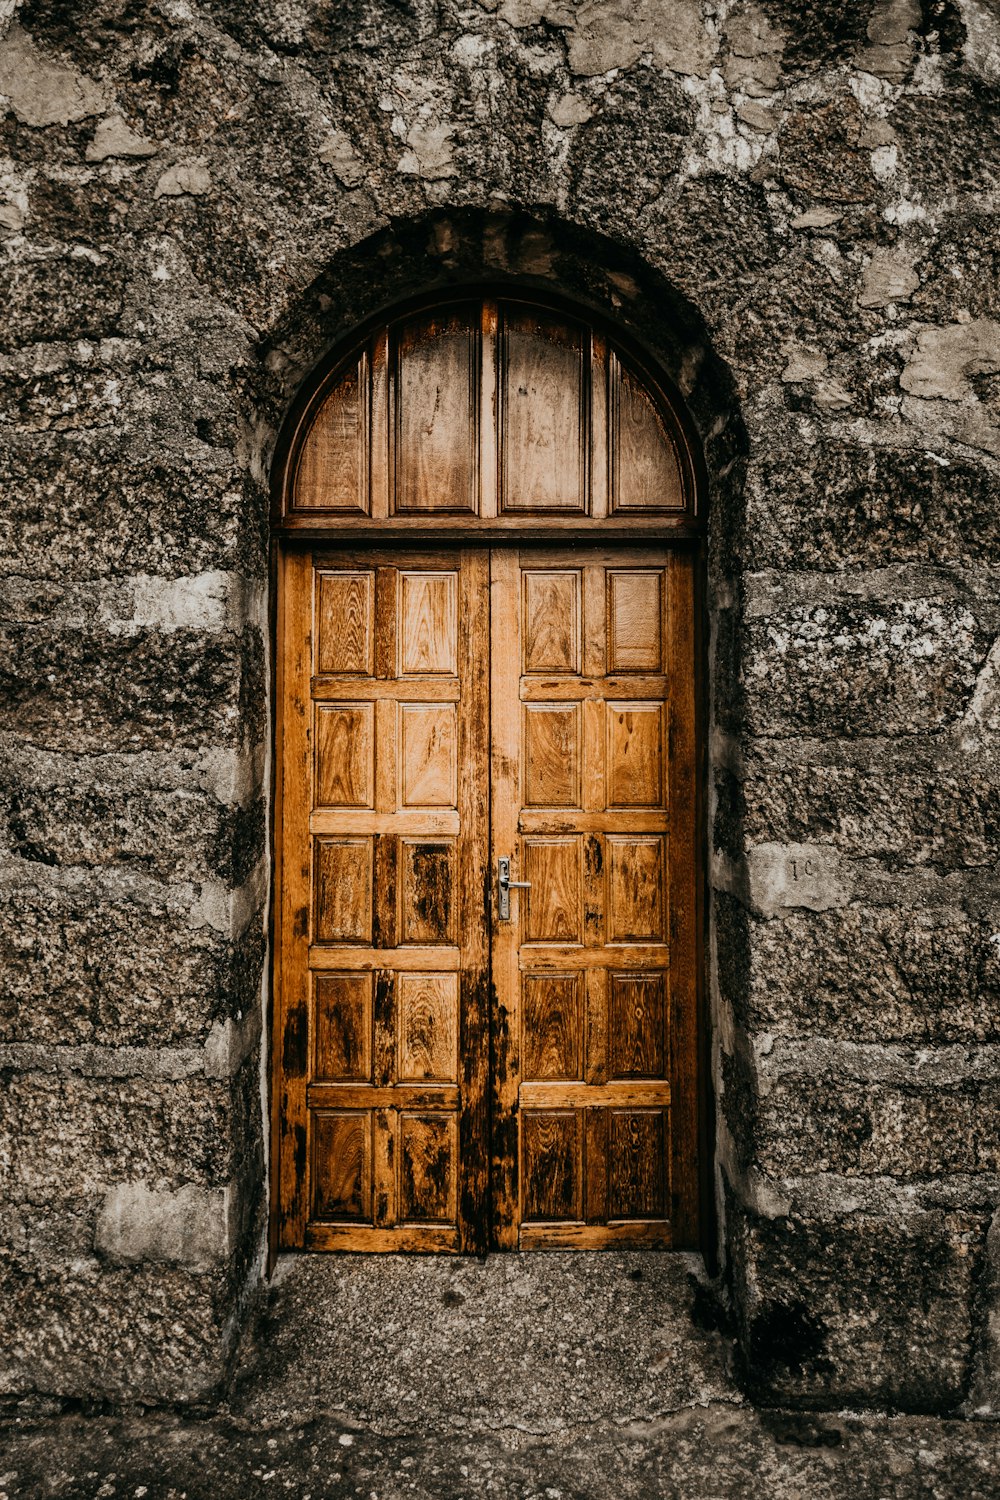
(796,205)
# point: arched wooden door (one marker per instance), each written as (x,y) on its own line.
(487,909)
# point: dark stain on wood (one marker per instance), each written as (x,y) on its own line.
(385,904)
(299,1154)
(301,924)
(594,855)
(385,1028)
(295,1043)
(431,889)
(474,1157)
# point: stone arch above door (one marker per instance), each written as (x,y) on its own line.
(492,414)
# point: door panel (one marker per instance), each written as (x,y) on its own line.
(382,996)
(592,707)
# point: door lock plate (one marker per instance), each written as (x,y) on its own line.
(504,886)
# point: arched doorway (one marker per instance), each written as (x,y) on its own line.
(487,829)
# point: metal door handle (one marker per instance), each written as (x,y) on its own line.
(505,886)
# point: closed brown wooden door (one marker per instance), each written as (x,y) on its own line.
(593,801)
(450,1079)
(382,1072)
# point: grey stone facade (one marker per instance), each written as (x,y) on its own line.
(796,207)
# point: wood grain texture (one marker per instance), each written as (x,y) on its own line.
(382,1131)
(428,628)
(344,621)
(344,755)
(428,1168)
(428,891)
(551,620)
(635,624)
(553,755)
(646,473)
(332,469)
(552,1164)
(637,1025)
(635,890)
(635,754)
(637,1186)
(428,755)
(343,900)
(342,1165)
(434,402)
(343,1028)
(580,730)
(544,395)
(551,911)
(428,1028)
(488,411)
(551,1026)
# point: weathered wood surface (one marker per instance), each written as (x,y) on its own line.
(445,1080)
(488,412)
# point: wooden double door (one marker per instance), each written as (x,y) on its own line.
(448,1076)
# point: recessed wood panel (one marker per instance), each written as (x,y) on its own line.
(332,472)
(427,891)
(551,1026)
(344,619)
(635,621)
(645,466)
(551,1165)
(543,428)
(635,898)
(637,1025)
(637,1186)
(428,624)
(551,909)
(428,1157)
(428,1028)
(343,896)
(635,754)
(428,755)
(342,1165)
(345,754)
(552,755)
(551,625)
(343,1028)
(435,410)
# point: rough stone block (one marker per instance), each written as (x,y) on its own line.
(186,1227)
(808,1124)
(863,1310)
(821,156)
(934,813)
(55,394)
(861,973)
(964,255)
(80,967)
(69,504)
(950,142)
(153,1334)
(862,669)
(175,834)
(89,1132)
(71,297)
(835,506)
(607,148)
(85,690)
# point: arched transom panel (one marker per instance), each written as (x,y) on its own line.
(488,411)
